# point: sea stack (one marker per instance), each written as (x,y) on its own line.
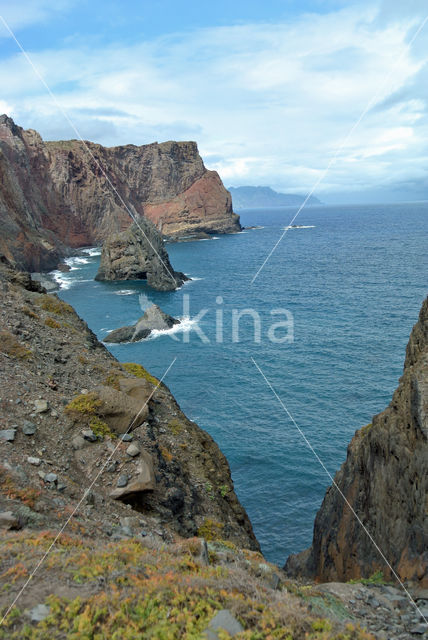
(139,254)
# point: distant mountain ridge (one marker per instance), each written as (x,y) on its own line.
(253,197)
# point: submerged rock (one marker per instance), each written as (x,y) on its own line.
(154,319)
(139,254)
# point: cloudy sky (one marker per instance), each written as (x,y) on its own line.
(269,89)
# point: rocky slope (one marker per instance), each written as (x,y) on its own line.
(66,403)
(385,479)
(54,195)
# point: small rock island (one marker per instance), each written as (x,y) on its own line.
(154,319)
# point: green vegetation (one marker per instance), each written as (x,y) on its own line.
(158,594)
(224,489)
(112,380)
(139,372)
(84,405)
(101,428)
(210,529)
(175,426)
(375,578)
(12,347)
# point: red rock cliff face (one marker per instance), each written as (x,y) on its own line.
(385,479)
(54,194)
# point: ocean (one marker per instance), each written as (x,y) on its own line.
(343,290)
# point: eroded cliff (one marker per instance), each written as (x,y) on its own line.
(56,195)
(385,479)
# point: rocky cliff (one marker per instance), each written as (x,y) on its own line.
(138,253)
(385,479)
(56,195)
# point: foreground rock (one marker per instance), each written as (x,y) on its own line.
(385,479)
(139,254)
(153,319)
(57,195)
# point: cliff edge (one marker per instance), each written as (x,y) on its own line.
(385,479)
(66,194)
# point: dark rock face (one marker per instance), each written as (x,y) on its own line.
(138,254)
(385,479)
(57,195)
(153,319)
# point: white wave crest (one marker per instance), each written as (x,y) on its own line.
(92,251)
(186,325)
(61,279)
(124,292)
(299,226)
(75,260)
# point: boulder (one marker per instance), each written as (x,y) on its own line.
(143,481)
(224,621)
(126,407)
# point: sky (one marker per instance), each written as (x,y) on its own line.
(272,91)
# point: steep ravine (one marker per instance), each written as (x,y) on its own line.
(156,543)
(385,479)
(54,195)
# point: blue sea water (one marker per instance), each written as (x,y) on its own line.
(354,281)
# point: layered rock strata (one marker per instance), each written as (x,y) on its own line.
(60,195)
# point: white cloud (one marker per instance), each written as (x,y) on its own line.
(270,103)
(26,12)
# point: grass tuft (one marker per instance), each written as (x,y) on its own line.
(12,347)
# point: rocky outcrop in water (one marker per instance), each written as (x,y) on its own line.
(139,254)
(385,479)
(154,319)
(57,195)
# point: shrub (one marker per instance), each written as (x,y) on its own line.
(50,322)
(101,428)
(139,372)
(210,529)
(55,305)
(86,404)
(30,313)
